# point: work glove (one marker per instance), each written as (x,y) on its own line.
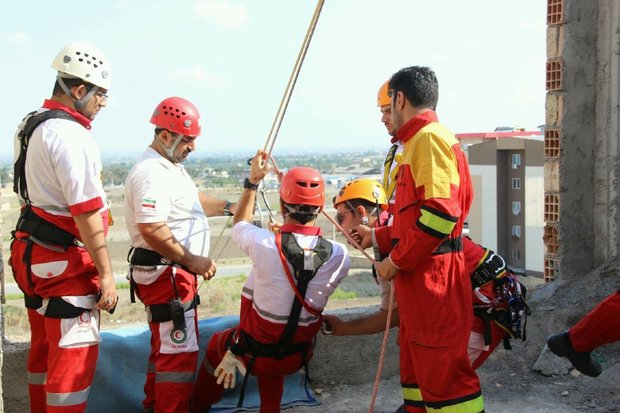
(226,370)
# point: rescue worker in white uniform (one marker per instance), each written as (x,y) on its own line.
(59,255)
(166,217)
(294,271)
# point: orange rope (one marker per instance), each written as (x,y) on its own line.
(386,334)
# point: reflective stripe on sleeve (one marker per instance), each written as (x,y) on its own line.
(436,223)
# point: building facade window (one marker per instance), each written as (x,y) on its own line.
(516,160)
(516,208)
(516,183)
(516,231)
(516,255)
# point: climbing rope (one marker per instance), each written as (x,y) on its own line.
(277,122)
(386,334)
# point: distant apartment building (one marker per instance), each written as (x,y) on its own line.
(507,211)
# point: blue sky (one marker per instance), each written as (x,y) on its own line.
(233,59)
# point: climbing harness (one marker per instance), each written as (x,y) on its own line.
(306,263)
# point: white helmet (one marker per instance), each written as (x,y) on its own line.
(84,61)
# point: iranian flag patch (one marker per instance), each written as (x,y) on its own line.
(148,203)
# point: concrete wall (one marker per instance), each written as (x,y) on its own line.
(588,43)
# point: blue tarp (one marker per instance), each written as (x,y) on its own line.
(121,370)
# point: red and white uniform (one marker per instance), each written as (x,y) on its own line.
(266,302)
(478,351)
(157,190)
(433,196)
(63,175)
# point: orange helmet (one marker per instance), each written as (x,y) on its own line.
(303,186)
(382,96)
(366,188)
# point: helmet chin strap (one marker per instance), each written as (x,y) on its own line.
(170,151)
(79,104)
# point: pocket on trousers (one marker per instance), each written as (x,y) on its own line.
(81,331)
(49,269)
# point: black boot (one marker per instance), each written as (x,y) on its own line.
(560,345)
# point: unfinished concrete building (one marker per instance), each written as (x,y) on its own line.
(581,136)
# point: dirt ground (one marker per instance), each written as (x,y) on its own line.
(526,379)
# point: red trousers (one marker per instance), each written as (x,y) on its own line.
(59,379)
(172,366)
(600,326)
(435,310)
(174,353)
(269,372)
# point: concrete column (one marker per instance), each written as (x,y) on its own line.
(606,216)
(579,54)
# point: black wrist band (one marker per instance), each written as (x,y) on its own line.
(227,209)
(249,185)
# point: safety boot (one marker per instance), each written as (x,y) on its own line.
(560,345)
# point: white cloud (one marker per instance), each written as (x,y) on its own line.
(17,39)
(222,12)
(198,76)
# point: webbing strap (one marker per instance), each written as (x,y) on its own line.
(299,297)
(389,174)
(32,120)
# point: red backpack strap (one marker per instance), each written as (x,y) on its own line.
(287,270)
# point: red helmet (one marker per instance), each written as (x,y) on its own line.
(303,186)
(177,115)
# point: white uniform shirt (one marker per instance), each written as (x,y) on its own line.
(157,190)
(268,285)
(63,169)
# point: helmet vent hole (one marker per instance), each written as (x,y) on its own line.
(81,59)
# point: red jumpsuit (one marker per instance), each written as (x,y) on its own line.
(63,351)
(174,353)
(600,326)
(433,196)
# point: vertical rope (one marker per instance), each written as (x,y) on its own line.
(277,122)
(386,334)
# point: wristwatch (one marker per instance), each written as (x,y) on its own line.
(227,209)
(249,185)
